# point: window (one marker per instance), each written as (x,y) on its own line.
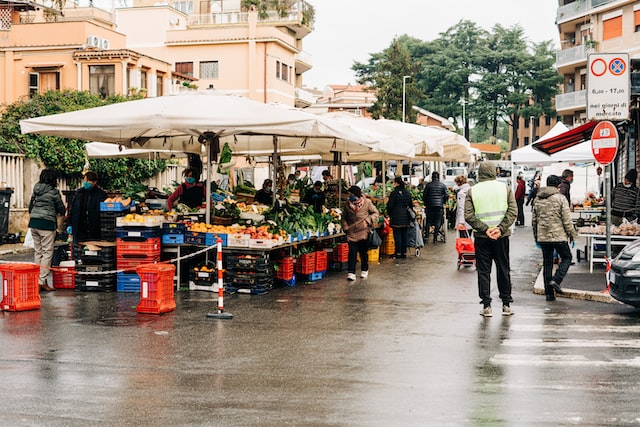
(185,7)
(526,122)
(547,120)
(159,86)
(185,68)
(209,70)
(283,71)
(43,81)
(143,79)
(636,17)
(102,80)
(612,25)
(526,140)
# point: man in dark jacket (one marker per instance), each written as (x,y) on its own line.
(625,199)
(434,197)
(565,184)
(85,210)
(491,209)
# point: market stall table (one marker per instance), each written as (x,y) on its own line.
(595,241)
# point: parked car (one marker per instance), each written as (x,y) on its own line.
(625,275)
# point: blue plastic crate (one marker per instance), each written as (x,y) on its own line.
(127,282)
(139,232)
(204,239)
(116,206)
(173,239)
(173,228)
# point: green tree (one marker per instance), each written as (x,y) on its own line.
(385,73)
(67,156)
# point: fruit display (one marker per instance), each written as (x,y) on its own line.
(124,202)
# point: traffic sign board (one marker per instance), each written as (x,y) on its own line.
(608,86)
(604,142)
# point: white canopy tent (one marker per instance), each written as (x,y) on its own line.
(528,155)
(104,150)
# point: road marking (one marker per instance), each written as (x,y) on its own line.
(577,328)
(560,342)
(559,360)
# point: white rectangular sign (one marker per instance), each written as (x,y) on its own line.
(608,86)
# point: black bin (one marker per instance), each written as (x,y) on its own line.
(5,198)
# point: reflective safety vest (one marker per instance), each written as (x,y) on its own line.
(490,201)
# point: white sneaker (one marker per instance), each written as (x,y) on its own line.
(486,312)
(351,277)
(507,311)
(364,274)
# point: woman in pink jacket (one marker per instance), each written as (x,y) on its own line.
(358,216)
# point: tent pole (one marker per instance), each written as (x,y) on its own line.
(208,185)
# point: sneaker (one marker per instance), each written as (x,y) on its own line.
(364,274)
(486,312)
(351,277)
(556,287)
(507,311)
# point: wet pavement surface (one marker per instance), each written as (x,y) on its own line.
(404,347)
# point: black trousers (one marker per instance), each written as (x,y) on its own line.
(489,251)
(564,252)
(361,247)
(434,217)
(520,219)
(401,238)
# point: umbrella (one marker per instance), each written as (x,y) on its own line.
(97,150)
(182,122)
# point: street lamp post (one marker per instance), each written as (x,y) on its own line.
(404,94)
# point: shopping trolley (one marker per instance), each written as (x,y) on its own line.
(465,247)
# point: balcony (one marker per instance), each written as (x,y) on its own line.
(304,62)
(577,9)
(572,55)
(294,21)
(304,98)
(571,101)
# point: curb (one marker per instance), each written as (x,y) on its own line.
(538,289)
(22,250)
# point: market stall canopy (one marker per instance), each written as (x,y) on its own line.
(428,140)
(566,139)
(178,122)
(530,156)
(97,150)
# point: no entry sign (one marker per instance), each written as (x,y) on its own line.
(604,142)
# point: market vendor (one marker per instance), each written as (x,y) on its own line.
(264,196)
(625,199)
(315,197)
(84,213)
(191,192)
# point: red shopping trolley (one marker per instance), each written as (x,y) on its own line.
(465,247)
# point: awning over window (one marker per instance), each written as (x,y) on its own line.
(566,140)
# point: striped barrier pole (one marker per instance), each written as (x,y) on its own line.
(220,314)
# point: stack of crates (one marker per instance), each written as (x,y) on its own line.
(20,289)
(339,257)
(95,268)
(204,278)
(173,233)
(156,288)
(322,263)
(109,213)
(252,274)
(388,245)
(135,246)
(285,271)
(306,266)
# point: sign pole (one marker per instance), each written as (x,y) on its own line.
(607,198)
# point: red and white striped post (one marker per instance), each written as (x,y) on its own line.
(220,314)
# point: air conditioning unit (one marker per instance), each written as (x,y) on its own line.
(93,41)
(105,44)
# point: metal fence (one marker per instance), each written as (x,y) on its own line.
(12,175)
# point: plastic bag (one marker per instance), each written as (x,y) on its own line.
(28,240)
(374,239)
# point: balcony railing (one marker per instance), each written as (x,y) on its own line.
(305,96)
(572,55)
(577,8)
(571,100)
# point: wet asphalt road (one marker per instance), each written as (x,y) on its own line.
(406,347)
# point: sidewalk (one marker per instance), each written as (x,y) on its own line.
(13,248)
(580,284)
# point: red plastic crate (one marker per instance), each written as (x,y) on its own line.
(64,277)
(156,288)
(285,268)
(146,247)
(321,261)
(340,253)
(306,263)
(20,289)
(131,262)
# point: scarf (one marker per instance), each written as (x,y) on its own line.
(357,204)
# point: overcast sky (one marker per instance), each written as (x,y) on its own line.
(350,30)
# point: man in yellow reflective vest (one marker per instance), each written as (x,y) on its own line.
(490,208)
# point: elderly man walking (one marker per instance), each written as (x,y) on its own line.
(490,208)
(552,230)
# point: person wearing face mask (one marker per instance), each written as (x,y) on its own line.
(84,213)
(359,215)
(191,192)
(315,197)
(264,196)
(625,199)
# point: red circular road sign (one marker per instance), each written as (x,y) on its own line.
(604,142)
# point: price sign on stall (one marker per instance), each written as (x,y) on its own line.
(604,142)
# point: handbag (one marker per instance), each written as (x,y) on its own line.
(374,239)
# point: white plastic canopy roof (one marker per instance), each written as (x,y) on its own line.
(530,156)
